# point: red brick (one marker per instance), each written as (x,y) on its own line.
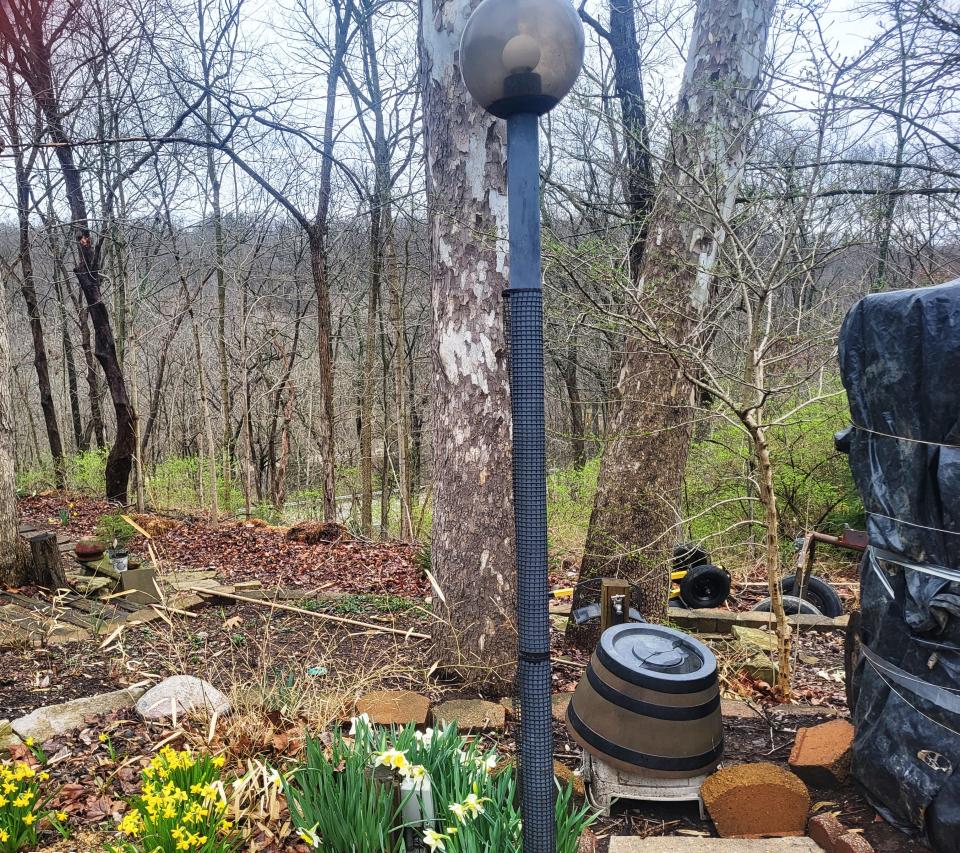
(821,754)
(825,829)
(756,801)
(852,842)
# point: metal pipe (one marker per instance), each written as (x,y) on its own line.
(529,484)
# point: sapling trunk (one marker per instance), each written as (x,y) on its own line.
(768,499)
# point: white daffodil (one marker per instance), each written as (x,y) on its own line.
(393,758)
(434,840)
(309,836)
(414,771)
(358,722)
(424,738)
(474,804)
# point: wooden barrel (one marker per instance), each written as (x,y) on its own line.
(649,703)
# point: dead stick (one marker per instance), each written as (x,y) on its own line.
(199,590)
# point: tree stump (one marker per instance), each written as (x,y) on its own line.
(46,567)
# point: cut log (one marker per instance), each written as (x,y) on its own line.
(47,563)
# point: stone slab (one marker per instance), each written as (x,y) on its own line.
(471,714)
(755,639)
(394,707)
(738,709)
(53,720)
(677,844)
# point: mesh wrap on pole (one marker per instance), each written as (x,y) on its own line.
(525,312)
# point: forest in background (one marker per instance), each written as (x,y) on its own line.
(254,182)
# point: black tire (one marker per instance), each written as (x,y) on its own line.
(791,606)
(705,586)
(686,555)
(819,593)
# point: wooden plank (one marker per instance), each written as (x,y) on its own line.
(61,614)
(323,616)
(722,621)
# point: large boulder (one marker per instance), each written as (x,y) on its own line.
(181,695)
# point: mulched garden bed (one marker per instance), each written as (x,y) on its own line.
(282,654)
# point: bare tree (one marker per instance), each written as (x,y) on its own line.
(635,510)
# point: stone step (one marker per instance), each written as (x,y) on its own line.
(679,844)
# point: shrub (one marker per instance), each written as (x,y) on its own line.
(113,528)
(86,472)
(345,796)
(182,807)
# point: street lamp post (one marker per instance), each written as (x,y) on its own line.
(519,58)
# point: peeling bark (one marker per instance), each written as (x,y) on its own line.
(636,507)
(473,538)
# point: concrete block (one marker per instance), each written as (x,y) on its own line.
(852,842)
(756,801)
(821,754)
(825,829)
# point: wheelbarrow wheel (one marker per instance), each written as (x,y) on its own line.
(792,606)
(705,586)
(819,593)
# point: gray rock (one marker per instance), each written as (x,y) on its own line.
(45,723)
(179,695)
(7,737)
(762,668)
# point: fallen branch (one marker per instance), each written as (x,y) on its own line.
(199,590)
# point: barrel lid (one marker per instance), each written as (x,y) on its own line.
(657,657)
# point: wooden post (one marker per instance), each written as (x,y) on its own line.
(47,566)
(609,587)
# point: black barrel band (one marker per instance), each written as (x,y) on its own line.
(642,759)
(663,684)
(650,709)
(534,657)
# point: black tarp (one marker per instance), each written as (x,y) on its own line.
(900,364)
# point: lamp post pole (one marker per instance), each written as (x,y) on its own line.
(529,483)
(518,59)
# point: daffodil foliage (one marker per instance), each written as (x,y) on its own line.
(182,807)
(353,791)
(21,806)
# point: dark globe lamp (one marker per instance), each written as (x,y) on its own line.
(519,58)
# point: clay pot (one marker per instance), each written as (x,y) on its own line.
(89,549)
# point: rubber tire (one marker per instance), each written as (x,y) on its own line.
(791,606)
(705,586)
(686,555)
(819,593)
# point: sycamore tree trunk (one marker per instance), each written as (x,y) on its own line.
(473,552)
(635,512)
(14,554)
